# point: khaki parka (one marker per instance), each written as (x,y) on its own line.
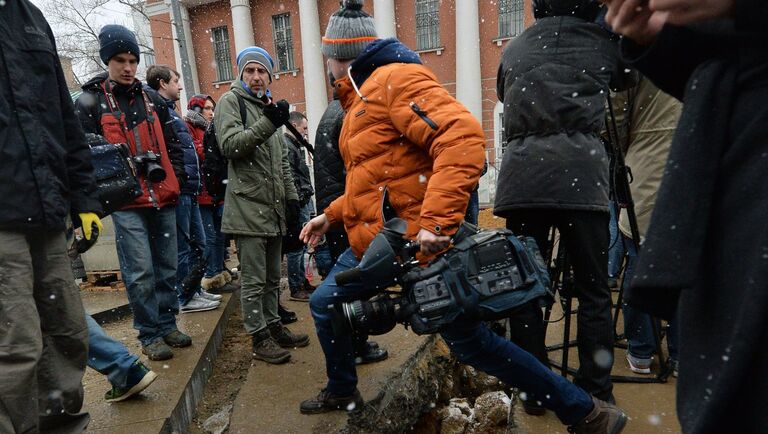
(260,180)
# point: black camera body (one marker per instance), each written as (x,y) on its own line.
(484,276)
(148,164)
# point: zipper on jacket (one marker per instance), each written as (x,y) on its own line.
(423,115)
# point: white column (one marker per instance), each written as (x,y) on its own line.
(241,23)
(468,76)
(190,50)
(313,65)
(384,18)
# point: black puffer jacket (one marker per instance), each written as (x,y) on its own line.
(299,169)
(553,81)
(45,164)
(330,174)
(92,102)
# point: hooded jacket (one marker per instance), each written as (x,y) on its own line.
(554,80)
(260,180)
(404,139)
(92,103)
(45,163)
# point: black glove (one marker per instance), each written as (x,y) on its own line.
(278,113)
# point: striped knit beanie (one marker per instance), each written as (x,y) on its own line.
(254,55)
(349,31)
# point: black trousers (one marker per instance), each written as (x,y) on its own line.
(584,235)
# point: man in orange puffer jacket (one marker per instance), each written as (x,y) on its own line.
(411,150)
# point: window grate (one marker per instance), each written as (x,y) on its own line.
(283,39)
(427,24)
(221,53)
(510,18)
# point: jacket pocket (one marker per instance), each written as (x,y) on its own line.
(252,192)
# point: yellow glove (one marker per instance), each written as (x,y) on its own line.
(88,219)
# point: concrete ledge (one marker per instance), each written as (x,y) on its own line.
(184,410)
(168,405)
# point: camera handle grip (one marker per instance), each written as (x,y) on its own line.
(353,275)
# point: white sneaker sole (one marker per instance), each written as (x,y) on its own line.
(200,309)
(637,369)
(141,385)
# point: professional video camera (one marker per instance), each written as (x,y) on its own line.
(148,164)
(484,275)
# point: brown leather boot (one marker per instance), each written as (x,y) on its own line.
(604,418)
(285,338)
(265,348)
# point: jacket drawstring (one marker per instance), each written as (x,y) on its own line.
(349,73)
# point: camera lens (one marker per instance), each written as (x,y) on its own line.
(155,172)
(374,317)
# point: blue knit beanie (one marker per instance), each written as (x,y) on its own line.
(115,39)
(254,54)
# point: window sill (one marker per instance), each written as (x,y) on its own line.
(293,72)
(500,40)
(217,84)
(436,50)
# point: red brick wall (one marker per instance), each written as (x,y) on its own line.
(204,18)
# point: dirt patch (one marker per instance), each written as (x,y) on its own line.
(229,372)
(487,220)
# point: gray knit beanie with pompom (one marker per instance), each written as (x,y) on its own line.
(349,31)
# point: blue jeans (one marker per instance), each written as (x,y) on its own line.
(147,251)
(189,223)
(324,259)
(108,356)
(295,259)
(470,341)
(473,207)
(214,239)
(615,244)
(641,342)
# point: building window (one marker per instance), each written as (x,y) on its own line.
(221,53)
(283,37)
(427,24)
(510,18)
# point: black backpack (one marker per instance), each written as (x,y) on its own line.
(214,168)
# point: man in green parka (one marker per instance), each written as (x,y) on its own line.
(261,200)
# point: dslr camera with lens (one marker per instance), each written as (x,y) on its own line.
(148,164)
(483,276)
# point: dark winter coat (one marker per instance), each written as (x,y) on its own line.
(553,81)
(45,164)
(187,143)
(707,245)
(92,103)
(329,167)
(299,169)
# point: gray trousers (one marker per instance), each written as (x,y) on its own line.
(43,336)
(259,280)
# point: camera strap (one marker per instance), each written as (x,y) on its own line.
(114,108)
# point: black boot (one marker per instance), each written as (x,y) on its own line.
(326,401)
(286,316)
(265,348)
(369,352)
(285,338)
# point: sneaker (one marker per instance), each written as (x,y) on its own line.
(603,419)
(199,304)
(265,348)
(326,401)
(370,353)
(286,316)
(638,365)
(177,339)
(300,295)
(157,350)
(285,338)
(208,296)
(139,378)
